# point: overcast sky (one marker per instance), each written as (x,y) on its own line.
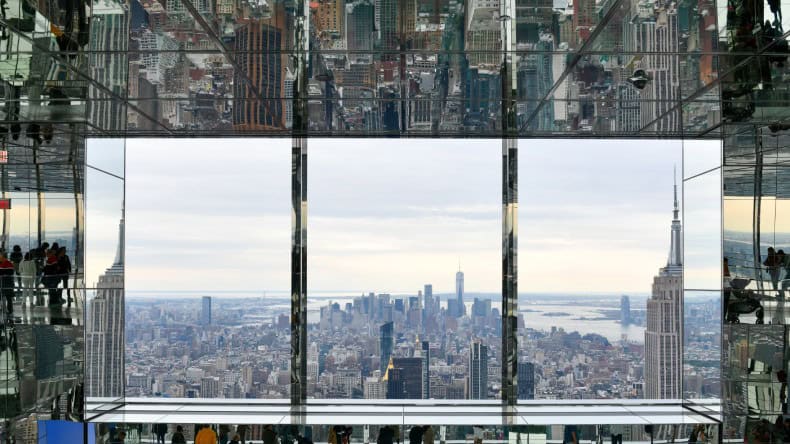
(391,215)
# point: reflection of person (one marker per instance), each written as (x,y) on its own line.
(51,277)
(7,282)
(64,270)
(772,262)
(27,270)
(235,440)
(16,258)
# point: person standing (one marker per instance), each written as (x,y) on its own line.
(160,430)
(478,434)
(241,430)
(415,435)
(206,435)
(571,435)
(427,435)
(178,436)
(27,271)
(269,435)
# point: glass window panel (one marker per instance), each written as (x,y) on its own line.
(207,283)
(396,234)
(595,230)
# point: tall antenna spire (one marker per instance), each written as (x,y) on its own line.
(675,249)
(675,180)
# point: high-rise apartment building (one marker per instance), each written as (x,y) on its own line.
(664,333)
(477,381)
(105,345)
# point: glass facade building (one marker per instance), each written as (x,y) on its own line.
(86,84)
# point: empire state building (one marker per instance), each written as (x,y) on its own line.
(104,338)
(664,333)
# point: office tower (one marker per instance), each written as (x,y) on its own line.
(404,378)
(209,387)
(664,333)
(360,25)
(427,295)
(385,345)
(105,333)
(625,310)
(205,311)
(264,66)
(459,294)
(426,371)
(526,380)
(477,378)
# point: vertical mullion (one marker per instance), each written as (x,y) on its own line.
(299,219)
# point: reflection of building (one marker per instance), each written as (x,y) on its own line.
(263,64)
(477,382)
(664,334)
(108,62)
(105,331)
(359,25)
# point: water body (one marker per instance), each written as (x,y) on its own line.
(582,318)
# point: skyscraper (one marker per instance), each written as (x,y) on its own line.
(477,385)
(425,354)
(625,310)
(526,380)
(459,294)
(664,333)
(427,298)
(205,312)
(385,345)
(404,378)
(105,332)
